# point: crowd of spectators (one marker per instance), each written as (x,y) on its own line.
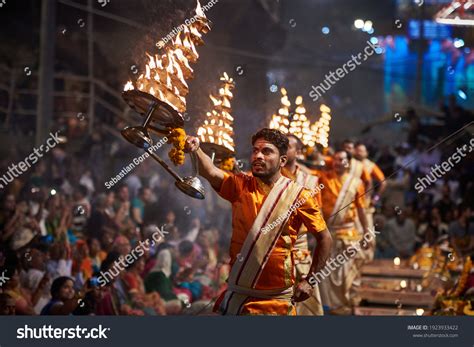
(63,236)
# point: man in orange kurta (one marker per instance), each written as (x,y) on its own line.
(343,204)
(375,174)
(273,291)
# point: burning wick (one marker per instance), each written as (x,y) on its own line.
(396,261)
(415,266)
(403,284)
(420,311)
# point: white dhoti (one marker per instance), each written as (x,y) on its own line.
(313,305)
(338,286)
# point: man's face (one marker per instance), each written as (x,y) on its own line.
(7,307)
(147,195)
(341,163)
(293,150)
(266,160)
(123,194)
(349,147)
(37,259)
(360,152)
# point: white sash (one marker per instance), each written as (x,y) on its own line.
(258,245)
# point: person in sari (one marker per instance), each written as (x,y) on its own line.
(342,204)
(150,303)
(21,297)
(268,210)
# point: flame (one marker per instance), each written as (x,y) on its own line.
(165,75)
(280,121)
(129,86)
(321,128)
(217,128)
(299,124)
(199,11)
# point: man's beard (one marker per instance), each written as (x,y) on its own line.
(263,175)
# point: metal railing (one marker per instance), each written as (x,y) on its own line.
(15,88)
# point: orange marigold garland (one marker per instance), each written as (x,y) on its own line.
(177,138)
(463,278)
(227,164)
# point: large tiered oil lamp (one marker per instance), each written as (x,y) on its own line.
(159,96)
(216,134)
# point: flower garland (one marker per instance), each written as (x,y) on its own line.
(463,278)
(177,138)
(227,164)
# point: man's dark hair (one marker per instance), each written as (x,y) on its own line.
(275,137)
(357,144)
(142,189)
(349,155)
(82,190)
(347,141)
(120,186)
(185,248)
(300,144)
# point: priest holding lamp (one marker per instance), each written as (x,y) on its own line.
(268,210)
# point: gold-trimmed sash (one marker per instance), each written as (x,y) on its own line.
(258,245)
(346,196)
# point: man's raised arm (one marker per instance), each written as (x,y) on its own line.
(207,169)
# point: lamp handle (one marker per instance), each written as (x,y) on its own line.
(165,166)
(194,162)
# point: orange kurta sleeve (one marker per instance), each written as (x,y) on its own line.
(366,179)
(310,213)
(231,187)
(359,198)
(328,161)
(377,173)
